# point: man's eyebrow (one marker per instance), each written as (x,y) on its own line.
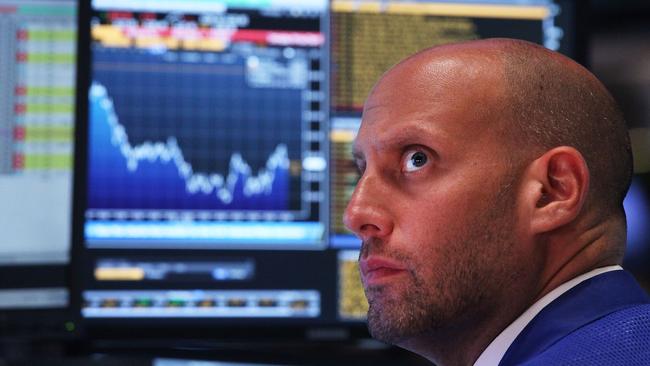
(414,134)
(407,135)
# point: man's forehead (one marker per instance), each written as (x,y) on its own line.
(456,78)
(471,61)
(407,132)
(448,105)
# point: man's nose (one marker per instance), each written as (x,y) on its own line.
(366,214)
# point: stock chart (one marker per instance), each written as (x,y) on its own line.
(185,152)
(206,128)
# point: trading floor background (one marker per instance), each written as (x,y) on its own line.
(173,173)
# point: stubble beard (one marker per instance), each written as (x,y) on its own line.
(438,303)
(395,319)
(423,308)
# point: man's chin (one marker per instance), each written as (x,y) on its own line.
(388,326)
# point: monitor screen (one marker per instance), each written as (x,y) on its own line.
(37,94)
(214,162)
(206,179)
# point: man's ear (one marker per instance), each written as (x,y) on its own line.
(555,188)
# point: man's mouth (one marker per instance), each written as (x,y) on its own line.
(376,270)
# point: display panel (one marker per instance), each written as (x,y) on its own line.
(207,135)
(206,127)
(37,55)
(37,93)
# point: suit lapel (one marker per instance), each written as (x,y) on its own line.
(581,305)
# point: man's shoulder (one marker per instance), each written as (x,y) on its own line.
(619,338)
(596,318)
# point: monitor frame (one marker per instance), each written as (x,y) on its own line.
(228,331)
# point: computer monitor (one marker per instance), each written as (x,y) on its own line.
(204,187)
(37,94)
(213,160)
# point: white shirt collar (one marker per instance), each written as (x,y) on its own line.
(494,352)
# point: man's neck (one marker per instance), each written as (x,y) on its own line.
(593,248)
(464,342)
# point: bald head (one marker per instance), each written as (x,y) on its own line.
(535,99)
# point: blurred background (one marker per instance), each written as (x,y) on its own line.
(618,56)
(173,173)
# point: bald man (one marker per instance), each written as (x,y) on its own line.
(490,207)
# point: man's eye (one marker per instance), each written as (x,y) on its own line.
(415,160)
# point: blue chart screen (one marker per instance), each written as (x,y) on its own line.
(191,151)
(207,136)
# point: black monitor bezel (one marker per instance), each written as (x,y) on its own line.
(230,329)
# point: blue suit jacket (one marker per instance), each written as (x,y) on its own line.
(604,320)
